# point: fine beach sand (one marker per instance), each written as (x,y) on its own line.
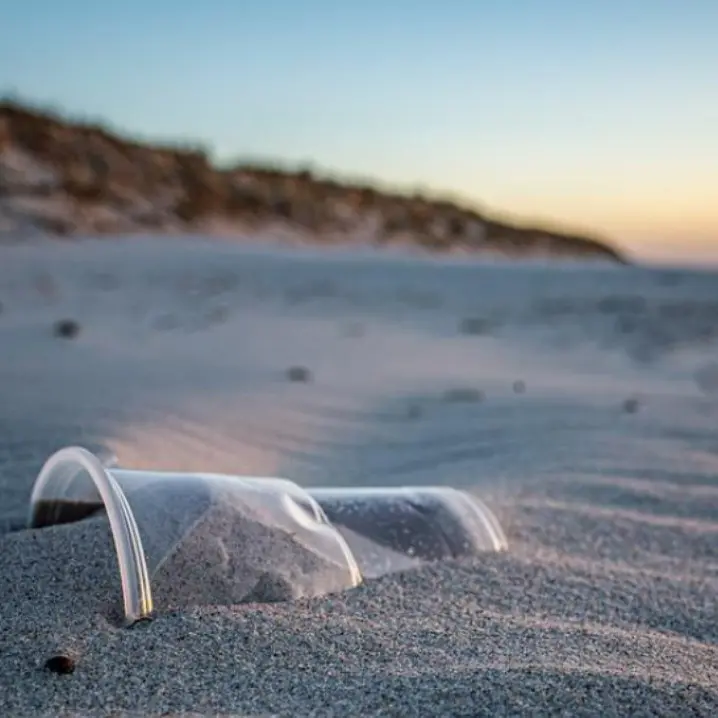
(580,403)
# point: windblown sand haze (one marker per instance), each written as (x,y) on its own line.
(579,402)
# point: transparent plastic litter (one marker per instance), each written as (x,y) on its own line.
(397,528)
(234,536)
(244,538)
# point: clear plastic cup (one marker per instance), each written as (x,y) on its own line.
(239,538)
(225,531)
(395,528)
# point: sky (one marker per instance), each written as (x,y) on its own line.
(593,115)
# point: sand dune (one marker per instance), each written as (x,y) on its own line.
(579,402)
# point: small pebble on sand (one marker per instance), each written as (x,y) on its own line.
(299,373)
(414,411)
(463,394)
(474,326)
(66,328)
(61,664)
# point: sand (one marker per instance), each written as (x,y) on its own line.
(580,403)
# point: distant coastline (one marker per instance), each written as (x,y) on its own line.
(62,177)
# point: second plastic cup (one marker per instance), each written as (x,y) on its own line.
(394,528)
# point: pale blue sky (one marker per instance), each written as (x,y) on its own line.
(602,114)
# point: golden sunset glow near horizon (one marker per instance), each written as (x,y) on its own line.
(656,229)
(599,115)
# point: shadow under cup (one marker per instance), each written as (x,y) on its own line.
(190,538)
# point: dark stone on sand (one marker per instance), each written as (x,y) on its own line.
(413,412)
(463,395)
(60,664)
(66,328)
(474,326)
(299,373)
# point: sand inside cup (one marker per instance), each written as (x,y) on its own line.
(219,541)
(205,544)
(230,558)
